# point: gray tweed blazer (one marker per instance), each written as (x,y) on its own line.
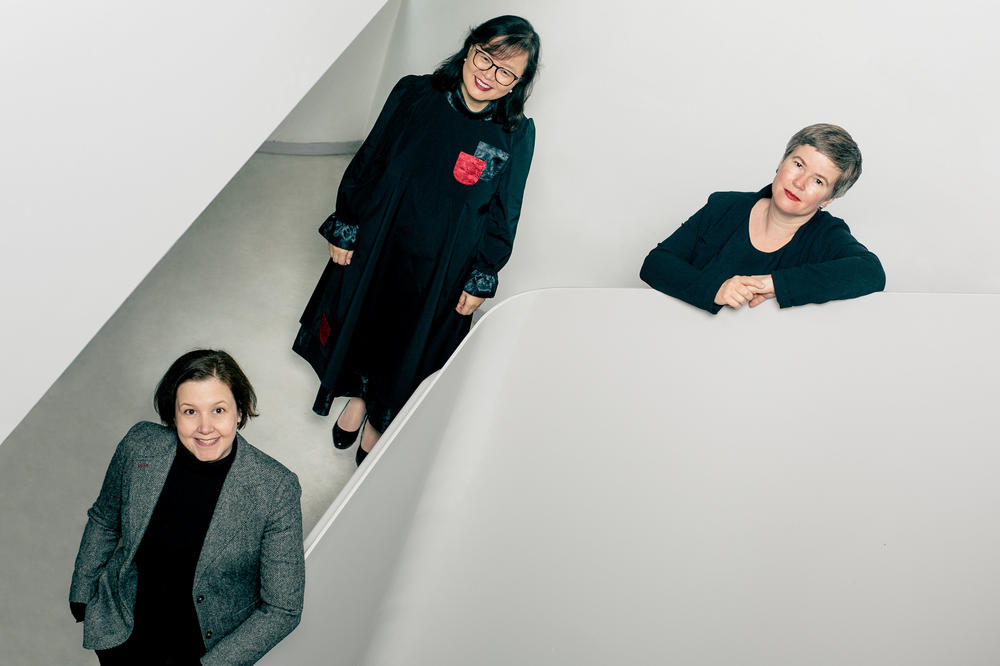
(250,578)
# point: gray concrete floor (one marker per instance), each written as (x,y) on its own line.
(236,280)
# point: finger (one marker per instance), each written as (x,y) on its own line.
(461,304)
(347,257)
(756,300)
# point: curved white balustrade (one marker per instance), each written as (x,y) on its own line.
(609,476)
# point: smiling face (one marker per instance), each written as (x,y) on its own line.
(206,418)
(804,181)
(479,87)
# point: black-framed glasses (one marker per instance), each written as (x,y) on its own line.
(484,63)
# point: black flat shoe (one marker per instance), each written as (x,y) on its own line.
(361,454)
(342,439)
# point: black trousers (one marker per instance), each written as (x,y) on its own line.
(135,652)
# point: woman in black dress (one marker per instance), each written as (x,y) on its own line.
(747,247)
(425,219)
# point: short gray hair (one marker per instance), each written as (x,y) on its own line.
(836,144)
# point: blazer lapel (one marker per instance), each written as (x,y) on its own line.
(145,483)
(231,510)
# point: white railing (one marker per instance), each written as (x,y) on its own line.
(608,476)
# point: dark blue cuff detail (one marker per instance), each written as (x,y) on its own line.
(481,284)
(339,233)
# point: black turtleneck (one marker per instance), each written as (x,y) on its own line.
(165,617)
(457,101)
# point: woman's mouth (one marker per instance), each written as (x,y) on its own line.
(206,442)
(791,196)
(481,85)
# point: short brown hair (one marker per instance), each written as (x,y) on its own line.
(836,144)
(202,364)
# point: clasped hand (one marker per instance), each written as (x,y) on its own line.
(740,289)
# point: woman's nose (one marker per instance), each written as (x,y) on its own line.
(205,423)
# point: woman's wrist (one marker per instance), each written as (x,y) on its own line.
(339,233)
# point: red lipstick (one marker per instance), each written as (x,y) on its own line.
(791,196)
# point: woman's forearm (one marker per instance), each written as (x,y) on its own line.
(837,279)
(670,274)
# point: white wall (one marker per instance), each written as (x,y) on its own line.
(644,108)
(121,121)
(338,108)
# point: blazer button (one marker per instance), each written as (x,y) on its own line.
(208,634)
(201,598)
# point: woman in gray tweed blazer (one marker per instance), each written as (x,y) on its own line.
(192,553)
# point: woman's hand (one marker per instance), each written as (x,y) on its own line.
(738,290)
(342,257)
(767,293)
(468,303)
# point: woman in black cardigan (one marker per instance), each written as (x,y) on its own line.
(746,247)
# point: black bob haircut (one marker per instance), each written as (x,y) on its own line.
(499,36)
(202,364)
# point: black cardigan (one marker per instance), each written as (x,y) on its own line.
(822,262)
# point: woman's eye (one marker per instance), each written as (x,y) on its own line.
(797,163)
(219,410)
(819,182)
(189,411)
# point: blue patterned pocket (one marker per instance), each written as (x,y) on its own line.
(495,159)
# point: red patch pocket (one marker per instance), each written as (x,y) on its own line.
(324,330)
(468,169)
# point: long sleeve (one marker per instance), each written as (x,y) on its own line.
(504,213)
(836,267)
(822,262)
(341,227)
(282,586)
(678,267)
(103,529)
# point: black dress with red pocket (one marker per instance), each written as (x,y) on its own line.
(429,205)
